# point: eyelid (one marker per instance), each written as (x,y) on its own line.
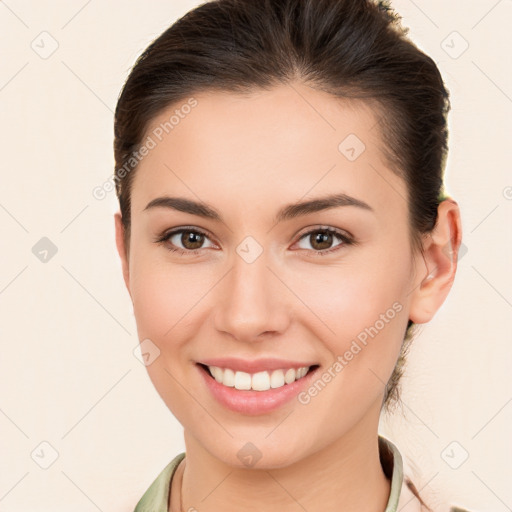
(323,227)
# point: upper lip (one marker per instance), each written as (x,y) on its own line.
(254,365)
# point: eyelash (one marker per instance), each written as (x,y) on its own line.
(346,239)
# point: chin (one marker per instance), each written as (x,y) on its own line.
(257,451)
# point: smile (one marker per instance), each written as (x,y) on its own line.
(260,381)
(255,386)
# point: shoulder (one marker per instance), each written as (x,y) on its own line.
(155,499)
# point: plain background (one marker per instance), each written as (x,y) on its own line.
(70,379)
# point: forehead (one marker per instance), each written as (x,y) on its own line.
(266,146)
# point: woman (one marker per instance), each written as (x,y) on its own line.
(282,228)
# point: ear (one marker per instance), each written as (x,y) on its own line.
(122,249)
(440,253)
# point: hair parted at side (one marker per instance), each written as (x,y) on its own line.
(353,49)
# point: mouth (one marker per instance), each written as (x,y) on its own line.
(259,381)
(255,391)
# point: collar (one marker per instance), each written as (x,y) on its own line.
(401,498)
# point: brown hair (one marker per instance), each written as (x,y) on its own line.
(348,48)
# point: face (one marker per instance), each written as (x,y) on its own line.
(257,284)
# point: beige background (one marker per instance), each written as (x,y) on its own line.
(69,376)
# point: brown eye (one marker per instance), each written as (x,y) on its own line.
(191,239)
(186,241)
(321,240)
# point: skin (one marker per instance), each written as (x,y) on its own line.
(248,156)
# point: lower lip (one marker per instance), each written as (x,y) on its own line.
(254,402)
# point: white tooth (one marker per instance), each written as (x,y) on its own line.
(228,378)
(260,381)
(277,379)
(216,372)
(289,376)
(303,371)
(242,380)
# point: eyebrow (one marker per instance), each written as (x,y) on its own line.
(288,212)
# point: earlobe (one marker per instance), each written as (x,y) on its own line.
(440,252)
(121,249)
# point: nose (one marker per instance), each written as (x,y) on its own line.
(251,303)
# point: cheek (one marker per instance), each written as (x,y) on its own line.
(362,310)
(164,294)
(165,300)
(366,319)
(155,303)
(350,299)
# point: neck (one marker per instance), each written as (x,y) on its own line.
(346,475)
